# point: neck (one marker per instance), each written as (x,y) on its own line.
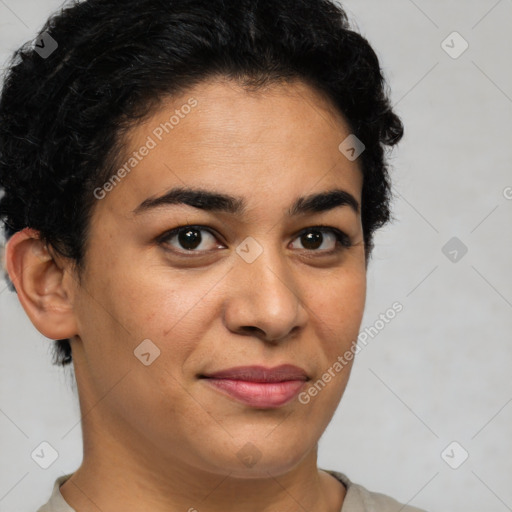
(125,480)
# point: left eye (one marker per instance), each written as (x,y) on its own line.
(195,238)
(314,238)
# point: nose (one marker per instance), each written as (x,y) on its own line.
(265,300)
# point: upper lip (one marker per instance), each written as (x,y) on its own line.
(280,373)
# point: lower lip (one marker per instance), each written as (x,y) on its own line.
(259,394)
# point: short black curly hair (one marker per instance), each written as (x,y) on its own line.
(63,114)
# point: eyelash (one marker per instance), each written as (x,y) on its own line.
(342,239)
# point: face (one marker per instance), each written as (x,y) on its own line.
(257,279)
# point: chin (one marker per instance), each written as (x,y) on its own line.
(255,457)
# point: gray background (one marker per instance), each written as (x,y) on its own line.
(435,374)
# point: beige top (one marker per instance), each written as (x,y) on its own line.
(357,499)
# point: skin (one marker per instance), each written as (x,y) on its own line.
(157,437)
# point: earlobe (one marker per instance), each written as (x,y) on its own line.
(42,285)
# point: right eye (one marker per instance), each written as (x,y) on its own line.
(187,239)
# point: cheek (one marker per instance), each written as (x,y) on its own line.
(340,305)
(339,308)
(173,311)
(169,304)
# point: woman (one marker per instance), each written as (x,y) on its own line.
(191,193)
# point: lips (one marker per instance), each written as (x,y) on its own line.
(261,374)
(259,386)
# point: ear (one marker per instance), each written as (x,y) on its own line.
(44,284)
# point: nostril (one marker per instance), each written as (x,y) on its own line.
(251,329)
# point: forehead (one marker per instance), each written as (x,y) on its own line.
(281,140)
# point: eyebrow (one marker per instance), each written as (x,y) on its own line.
(218,202)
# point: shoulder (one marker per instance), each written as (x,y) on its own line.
(360,499)
(56,503)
